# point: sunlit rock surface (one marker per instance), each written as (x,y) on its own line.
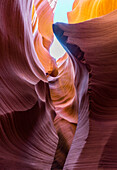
(83,10)
(58,114)
(63,91)
(42,19)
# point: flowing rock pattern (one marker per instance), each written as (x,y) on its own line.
(83,10)
(28,139)
(92,147)
(63,91)
(42,19)
(58,115)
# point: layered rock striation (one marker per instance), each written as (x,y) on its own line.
(58,114)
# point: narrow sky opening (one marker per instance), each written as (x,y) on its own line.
(62,7)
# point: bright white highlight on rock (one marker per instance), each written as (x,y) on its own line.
(52,3)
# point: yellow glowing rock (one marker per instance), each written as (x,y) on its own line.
(42,20)
(87,9)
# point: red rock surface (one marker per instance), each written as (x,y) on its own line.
(58,115)
(93,144)
(28,139)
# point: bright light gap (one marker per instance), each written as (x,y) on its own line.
(62,7)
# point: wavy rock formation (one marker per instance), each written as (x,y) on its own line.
(93,44)
(42,19)
(64,98)
(28,139)
(83,10)
(58,115)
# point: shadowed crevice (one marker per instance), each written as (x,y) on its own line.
(70,48)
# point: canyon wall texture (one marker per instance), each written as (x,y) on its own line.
(95,43)
(28,139)
(58,114)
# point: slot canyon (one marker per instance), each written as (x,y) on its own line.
(58,114)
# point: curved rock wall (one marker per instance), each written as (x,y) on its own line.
(95,44)
(28,139)
(58,114)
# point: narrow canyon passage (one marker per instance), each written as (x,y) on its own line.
(58,108)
